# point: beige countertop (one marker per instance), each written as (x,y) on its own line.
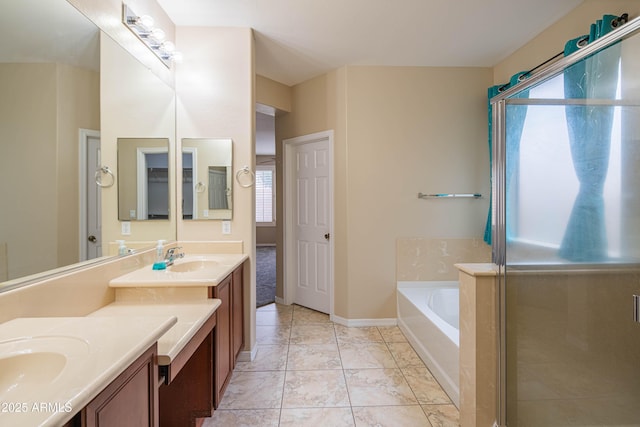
(191,316)
(53,367)
(478,269)
(190,271)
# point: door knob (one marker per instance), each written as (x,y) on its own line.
(327,236)
(92,239)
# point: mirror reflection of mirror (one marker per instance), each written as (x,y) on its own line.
(143,179)
(50,86)
(207,179)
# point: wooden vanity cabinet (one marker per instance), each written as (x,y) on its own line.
(131,400)
(229,332)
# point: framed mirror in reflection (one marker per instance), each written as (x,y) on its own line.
(143,179)
(207,184)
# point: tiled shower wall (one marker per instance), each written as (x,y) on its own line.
(429,259)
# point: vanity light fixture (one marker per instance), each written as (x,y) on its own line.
(154,38)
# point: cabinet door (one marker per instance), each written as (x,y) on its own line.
(237,313)
(222,340)
(131,400)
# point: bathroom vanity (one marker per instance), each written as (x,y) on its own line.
(94,368)
(159,352)
(196,378)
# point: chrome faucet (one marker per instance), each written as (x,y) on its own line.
(172,254)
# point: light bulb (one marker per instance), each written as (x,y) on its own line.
(146,21)
(158,34)
(168,47)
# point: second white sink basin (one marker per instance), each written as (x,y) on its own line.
(194,270)
(195,265)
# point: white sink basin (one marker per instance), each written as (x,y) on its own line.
(195,265)
(194,270)
(29,369)
(28,362)
(65,362)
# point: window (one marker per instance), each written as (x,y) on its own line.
(265,195)
(546,185)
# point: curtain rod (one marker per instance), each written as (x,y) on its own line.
(623,19)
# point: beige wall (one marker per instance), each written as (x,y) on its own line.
(551,41)
(40,169)
(78,108)
(399,131)
(134,104)
(272,93)
(215,86)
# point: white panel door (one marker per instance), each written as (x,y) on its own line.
(312,225)
(94,210)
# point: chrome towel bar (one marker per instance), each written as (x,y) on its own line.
(449,195)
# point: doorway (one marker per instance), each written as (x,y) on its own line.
(265,215)
(90,243)
(308,221)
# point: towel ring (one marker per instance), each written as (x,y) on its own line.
(98,176)
(245,171)
(200,187)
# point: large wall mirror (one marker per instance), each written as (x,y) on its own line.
(207,181)
(68,92)
(50,89)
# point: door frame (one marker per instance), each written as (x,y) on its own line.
(142,193)
(193,151)
(289,238)
(83,175)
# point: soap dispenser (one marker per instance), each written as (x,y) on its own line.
(159,264)
(122,249)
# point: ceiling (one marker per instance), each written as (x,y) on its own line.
(300,39)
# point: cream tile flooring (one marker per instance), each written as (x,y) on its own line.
(309,371)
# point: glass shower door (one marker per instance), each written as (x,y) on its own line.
(571,238)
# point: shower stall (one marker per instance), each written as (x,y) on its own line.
(566,238)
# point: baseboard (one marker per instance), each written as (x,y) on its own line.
(248,356)
(355,323)
(280,301)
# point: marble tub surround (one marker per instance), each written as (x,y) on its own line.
(208,270)
(96,351)
(478,344)
(190,317)
(428,259)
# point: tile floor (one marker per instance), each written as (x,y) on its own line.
(309,371)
